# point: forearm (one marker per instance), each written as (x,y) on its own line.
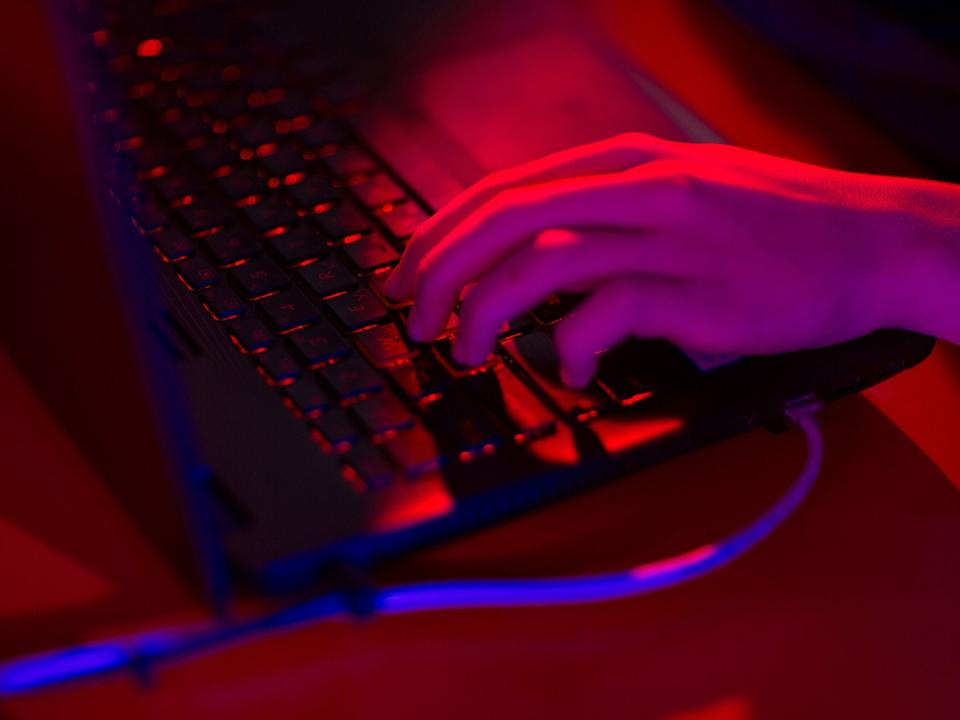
(924,275)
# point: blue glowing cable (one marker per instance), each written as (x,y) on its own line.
(142,652)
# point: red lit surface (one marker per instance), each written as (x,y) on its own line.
(150,48)
(849,611)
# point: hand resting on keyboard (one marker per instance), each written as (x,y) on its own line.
(713,247)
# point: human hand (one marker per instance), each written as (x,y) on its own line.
(715,248)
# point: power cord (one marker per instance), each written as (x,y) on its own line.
(140,654)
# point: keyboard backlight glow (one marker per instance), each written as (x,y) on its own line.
(150,47)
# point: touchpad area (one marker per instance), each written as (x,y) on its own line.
(535,94)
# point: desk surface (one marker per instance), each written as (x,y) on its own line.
(849,610)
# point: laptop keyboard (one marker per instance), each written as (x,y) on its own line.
(240,165)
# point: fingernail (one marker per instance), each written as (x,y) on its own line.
(415,326)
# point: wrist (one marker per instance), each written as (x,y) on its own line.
(922,260)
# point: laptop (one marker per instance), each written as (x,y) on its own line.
(213,332)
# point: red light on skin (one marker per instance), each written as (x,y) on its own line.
(149,48)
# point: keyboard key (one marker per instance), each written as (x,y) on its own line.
(414,451)
(518,324)
(384,345)
(250,335)
(350,160)
(337,429)
(370,252)
(357,309)
(463,429)
(293,106)
(298,245)
(278,366)
(402,219)
(176,185)
(148,159)
(216,153)
(241,183)
(222,303)
(173,245)
(285,161)
(230,107)
(327,277)
(289,311)
(343,220)
(444,351)
(204,215)
(377,282)
(260,278)
(308,397)
(269,214)
(149,217)
(554,308)
(382,414)
(197,274)
(423,377)
(377,189)
(320,344)
(514,403)
(536,356)
(320,134)
(188,126)
(313,191)
(256,133)
(232,247)
(370,465)
(636,369)
(351,377)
